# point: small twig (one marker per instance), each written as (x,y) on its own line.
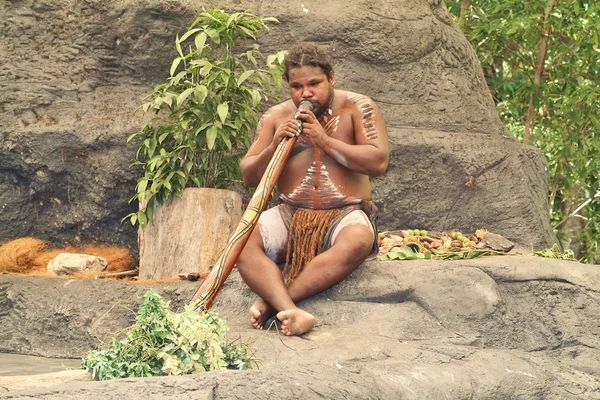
(134,272)
(274,323)
(565,219)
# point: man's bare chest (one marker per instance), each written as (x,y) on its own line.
(337,125)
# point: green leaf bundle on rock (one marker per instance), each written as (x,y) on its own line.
(205,111)
(163,342)
(419,244)
(555,252)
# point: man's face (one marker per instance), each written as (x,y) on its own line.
(310,83)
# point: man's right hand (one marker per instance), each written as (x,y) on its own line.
(290,128)
(276,124)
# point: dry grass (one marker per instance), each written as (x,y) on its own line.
(31,256)
(118,258)
(19,255)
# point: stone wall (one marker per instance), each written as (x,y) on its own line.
(72,74)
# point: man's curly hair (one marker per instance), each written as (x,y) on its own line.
(307,53)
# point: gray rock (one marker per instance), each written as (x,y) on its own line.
(502,327)
(71,264)
(73,74)
(498,243)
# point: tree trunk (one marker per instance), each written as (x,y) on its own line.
(539,69)
(188,233)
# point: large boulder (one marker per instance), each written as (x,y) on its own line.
(73,73)
(511,327)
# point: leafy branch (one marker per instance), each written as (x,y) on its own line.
(205,111)
(162,342)
(551,100)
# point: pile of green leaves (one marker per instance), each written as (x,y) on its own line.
(205,112)
(404,253)
(458,253)
(555,252)
(162,342)
(412,253)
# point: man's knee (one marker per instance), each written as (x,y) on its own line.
(273,233)
(254,244)
(356,242)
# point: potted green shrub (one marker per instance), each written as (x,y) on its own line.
(203,114)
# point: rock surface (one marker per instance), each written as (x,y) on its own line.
(73,73)
(488,328)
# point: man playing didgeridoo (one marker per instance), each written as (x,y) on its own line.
(323,229)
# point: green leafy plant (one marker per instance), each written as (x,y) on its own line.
(205,111)
(541,60)
(163,342)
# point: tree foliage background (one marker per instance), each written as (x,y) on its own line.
(541,60)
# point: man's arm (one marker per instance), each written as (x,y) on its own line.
(370,153)
(267,137)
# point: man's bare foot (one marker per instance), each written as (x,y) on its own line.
(260,313)
(295,321)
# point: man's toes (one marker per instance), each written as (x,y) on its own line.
(295,322)
(254,312)
(256,325)
(282,316)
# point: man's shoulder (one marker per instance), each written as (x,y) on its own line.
(283,109)
(353,99)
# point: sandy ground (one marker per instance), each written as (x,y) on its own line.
(17,364)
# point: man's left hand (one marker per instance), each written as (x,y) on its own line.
(312,128)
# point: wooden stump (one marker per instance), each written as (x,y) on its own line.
(187,234)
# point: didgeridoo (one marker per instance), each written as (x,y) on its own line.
(206,293)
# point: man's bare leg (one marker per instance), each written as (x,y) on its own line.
(265,279)
(351,248)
